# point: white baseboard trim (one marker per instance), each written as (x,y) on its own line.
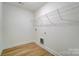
(49,50)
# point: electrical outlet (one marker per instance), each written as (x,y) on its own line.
(41,40)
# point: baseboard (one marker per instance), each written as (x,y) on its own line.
(49,50)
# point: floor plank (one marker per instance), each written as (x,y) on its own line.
(31,49)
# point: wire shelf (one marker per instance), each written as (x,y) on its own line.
(66,15)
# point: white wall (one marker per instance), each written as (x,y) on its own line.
(0,26)
(60,37)
(18,26)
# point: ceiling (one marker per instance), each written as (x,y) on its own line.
(33,6)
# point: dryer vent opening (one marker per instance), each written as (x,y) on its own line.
(41,40)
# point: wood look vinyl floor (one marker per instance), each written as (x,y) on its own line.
(31,49)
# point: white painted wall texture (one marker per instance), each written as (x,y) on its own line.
(60,37)
(0,26)
(18,26)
